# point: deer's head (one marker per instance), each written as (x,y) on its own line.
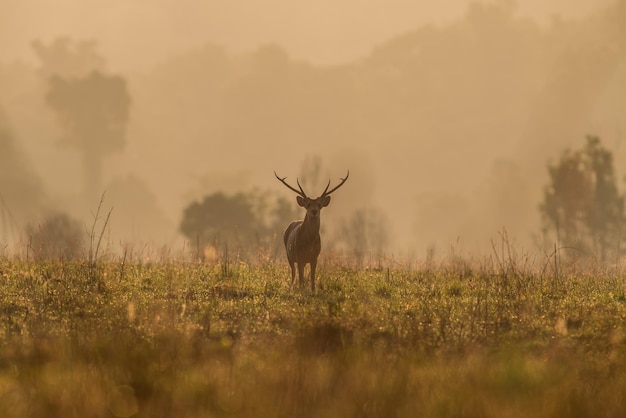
(313,206)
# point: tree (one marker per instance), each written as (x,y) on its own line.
(311,173)
(65,57)
(94,112)
(582,204)
(22,194)
(364,233)
(220,218)
(244,219)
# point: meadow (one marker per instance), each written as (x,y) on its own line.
(129,337)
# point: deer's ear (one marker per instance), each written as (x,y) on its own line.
(301,201)
(325,201)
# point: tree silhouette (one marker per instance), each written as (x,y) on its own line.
(65,57)
(244,219)
(364,234)
(582,204)
(219,218)
(93,110)
(22,193)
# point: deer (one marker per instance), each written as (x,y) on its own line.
(302,238)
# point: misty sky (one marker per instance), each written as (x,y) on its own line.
(139,33)
(200,73)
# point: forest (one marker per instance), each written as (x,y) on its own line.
(448,131)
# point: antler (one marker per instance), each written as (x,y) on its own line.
(300,192)
(343,180)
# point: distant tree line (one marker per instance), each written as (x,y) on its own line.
(257,219)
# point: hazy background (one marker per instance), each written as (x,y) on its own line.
(446,113)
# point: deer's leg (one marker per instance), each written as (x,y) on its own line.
(301,273)
(313,265)
(293,273)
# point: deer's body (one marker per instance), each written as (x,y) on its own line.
(302,238)
(303,245)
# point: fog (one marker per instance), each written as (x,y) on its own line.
(134,34)
(446,113)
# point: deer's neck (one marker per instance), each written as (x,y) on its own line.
(310,227)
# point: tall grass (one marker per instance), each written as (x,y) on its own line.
(188,339)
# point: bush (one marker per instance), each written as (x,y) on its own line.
(58,237)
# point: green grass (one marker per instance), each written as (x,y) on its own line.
(197,340)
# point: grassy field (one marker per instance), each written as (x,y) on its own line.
(172,339)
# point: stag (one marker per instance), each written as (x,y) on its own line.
(302,238)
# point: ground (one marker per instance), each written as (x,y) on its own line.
(191,339)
